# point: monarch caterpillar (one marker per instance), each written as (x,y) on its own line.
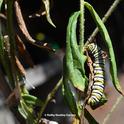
(97,96)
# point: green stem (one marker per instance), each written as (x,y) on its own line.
(81,37)
(104,19)
(10,26)
(11,39)
(49,97)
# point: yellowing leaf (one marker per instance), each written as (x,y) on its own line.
(47,10)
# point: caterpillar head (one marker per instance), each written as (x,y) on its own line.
(91,46)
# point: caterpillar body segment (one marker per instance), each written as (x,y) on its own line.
(97,97)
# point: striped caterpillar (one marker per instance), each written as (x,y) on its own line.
(97,96)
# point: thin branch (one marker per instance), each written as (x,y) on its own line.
(81,44)
(49,97)
(81,37)
(112,109)
(10,27)
(104,19)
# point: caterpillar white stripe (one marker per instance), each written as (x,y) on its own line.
(97,96)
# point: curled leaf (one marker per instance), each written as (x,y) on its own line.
(74,78)
(79,59)
(74,60)
(21,23)
(106,38)
(68,94)
(47,10)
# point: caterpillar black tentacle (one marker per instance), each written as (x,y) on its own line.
(97,96)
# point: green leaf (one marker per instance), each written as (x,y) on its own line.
(30,116)
(74,66)
(47,9)
(69,92)
(89,117)
(70,98)
(22,110)
(106,38)
(24,90)
(69,65)
(78,58)
(32,100)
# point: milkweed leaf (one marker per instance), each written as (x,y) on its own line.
(69,97)
(106,38)
(78,58)
(74,66)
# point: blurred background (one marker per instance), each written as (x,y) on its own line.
(48,66)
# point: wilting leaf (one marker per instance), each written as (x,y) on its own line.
(74,60)
(78,58)
(21,23)
(106,38)
(69,96)
(73,71)
(47,10)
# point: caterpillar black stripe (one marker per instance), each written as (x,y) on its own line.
(97,96)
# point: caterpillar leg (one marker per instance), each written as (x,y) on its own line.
(95,104)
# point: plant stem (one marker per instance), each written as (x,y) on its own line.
(112,109)
(81,31)
(104,19)
(11,39)
(49,97)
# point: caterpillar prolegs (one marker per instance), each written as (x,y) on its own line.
(97,96)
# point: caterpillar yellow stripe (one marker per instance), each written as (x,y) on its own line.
(97,96)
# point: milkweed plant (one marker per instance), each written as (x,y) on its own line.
(78,88)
